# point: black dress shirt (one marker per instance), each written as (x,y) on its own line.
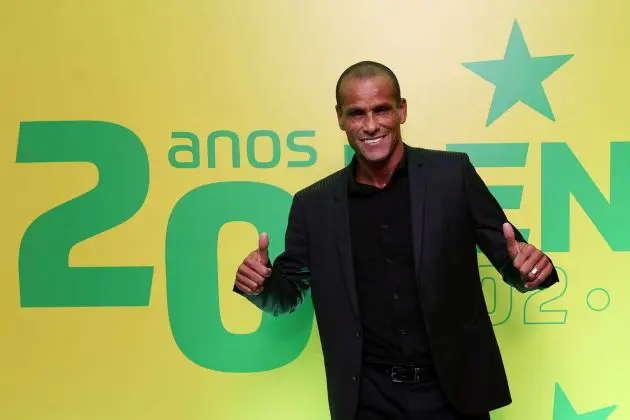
(387,288)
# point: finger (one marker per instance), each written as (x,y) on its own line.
(251,274)
(523,255)
(257,267)
(245,289)
(246,281)
(542,276)
(538,267)
(254,292)
(263,248)
(510,237)
(535,258)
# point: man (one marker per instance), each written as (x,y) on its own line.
(388,247)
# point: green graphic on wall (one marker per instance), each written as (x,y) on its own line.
(518,77)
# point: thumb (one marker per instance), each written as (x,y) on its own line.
(508,233)
(263,248)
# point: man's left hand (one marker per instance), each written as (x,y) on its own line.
(531,262)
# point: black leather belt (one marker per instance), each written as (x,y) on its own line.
(409,374)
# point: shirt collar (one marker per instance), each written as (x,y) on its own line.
(356,187)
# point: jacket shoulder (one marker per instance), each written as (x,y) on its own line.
(440,156)
(323,187)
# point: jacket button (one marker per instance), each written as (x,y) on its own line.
(357,334)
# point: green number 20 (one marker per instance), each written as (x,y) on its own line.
(47,280)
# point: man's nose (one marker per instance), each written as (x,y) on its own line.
(369,124)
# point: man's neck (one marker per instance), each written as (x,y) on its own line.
(378,174)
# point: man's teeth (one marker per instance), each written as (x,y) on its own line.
(372,141)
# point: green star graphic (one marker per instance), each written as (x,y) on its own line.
(518,77)
(563,410)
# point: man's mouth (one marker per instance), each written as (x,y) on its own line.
(373,140)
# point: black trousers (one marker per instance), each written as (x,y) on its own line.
(382,399)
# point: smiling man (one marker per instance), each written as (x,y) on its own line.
(388,247)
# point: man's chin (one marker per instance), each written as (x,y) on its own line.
(376,158)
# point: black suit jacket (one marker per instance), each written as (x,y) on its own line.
(452,212)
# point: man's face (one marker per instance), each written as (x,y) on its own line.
(370,118)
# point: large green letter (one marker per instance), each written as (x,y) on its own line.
(46,280)
(563,176)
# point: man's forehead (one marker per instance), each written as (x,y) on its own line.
(351,83)
(364,90)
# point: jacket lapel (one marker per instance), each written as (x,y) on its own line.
(342,236)
(418,193)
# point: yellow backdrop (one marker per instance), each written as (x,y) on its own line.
(145,143)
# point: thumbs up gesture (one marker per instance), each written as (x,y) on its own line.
(531,262)
(253,271)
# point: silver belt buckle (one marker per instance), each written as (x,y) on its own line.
(394,379)
(392,375)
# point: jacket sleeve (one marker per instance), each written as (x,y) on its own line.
(488,218)
(284,290)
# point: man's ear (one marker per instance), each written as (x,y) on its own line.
(402,111)
(339,111)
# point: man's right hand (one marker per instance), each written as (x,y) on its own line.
(253,271)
